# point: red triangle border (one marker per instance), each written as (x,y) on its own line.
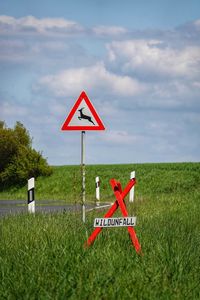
(82,96)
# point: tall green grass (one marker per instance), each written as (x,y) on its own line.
(43,257)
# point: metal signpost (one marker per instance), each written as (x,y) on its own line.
(83,117)
(83,172)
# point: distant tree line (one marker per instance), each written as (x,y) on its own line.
(18,160)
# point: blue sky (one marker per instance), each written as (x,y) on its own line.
(129,13)
(138,61)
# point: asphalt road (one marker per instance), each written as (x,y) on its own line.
(20,206)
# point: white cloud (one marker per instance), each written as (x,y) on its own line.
(119,137)
(153,57)
(197,24)
(13,50)
(112,31)
(190,29)
(196,84)
(8,109)
(39,52)
(108,108)
(92,78)
(7,20)
(30,24)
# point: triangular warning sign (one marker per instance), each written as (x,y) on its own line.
(83,116)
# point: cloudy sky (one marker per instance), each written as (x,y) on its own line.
(138,61)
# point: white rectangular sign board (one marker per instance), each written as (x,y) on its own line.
(115,222)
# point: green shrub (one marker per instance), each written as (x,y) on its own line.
(18,160)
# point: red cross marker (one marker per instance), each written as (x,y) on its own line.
(119,202)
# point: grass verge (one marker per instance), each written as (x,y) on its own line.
(42,256)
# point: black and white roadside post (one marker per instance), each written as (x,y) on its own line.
(97,191)
(31,195)
(83,173)
(83,117)
(131,194)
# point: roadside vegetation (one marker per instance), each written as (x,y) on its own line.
(43,256)
(18,160)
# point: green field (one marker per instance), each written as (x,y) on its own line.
(152,180)
(42,256)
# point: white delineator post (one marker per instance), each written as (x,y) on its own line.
(31,195)
(131,193)
(97,191)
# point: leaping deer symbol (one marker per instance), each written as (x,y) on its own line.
(83,116)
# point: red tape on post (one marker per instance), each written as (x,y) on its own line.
(119,202)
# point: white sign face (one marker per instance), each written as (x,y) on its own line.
(83,116)
(115,222)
